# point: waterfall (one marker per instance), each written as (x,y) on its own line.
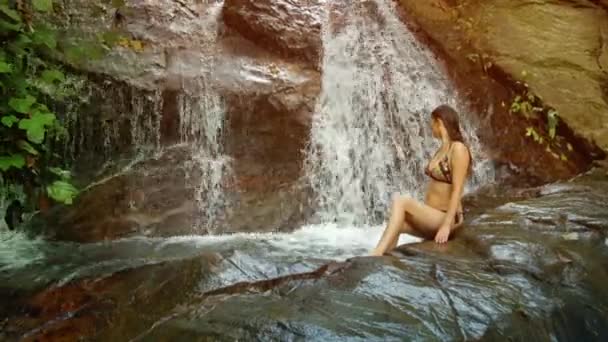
(120,120)
(112,119)
(371,134)
(202,119)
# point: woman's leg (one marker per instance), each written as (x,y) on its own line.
(397,225)
(405,229)
(411,217)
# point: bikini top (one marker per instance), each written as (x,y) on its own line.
(442,172)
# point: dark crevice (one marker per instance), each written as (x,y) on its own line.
(600,3)
(269,284)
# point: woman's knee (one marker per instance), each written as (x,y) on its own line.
(402,202)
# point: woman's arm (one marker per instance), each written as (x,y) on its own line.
(460,160)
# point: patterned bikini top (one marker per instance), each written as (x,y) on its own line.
(442,172)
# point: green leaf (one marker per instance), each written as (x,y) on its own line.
(552,121)
(515,107)
(63,174)
(44,36)
(23,40)
(10,13)
(15,160)
(50,76)
(43,5)
(22,105)
(36,126)
(5,68)
(27,147)
(526,107)
(5,26)
(9,120)
(563,157)
(62,192)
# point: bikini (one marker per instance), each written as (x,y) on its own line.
(442,172)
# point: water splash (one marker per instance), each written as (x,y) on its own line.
(371,136)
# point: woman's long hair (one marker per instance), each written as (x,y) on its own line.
(449,118)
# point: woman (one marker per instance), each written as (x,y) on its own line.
(441,213)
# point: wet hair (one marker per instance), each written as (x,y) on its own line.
(449,118)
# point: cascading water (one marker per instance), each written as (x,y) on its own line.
(371,134)
(201,123)
(120,122)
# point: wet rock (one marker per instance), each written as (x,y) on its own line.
(493,51)
(251,66)
(289,28)
(88,307)
(510,274)
(268,132)
(146,198)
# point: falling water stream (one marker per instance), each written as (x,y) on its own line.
(371,136)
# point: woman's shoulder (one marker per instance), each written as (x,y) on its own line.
(459,148)
(459,145)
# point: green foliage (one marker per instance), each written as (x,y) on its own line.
(530,106)
(42,5)
(29,85)
(552,122)
(36,127)
(14,160)
(9,120)
(62,190)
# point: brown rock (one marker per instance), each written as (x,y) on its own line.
(260,57)
(269,107)
(87,308)
(291,28)
(149,199)
(498,50)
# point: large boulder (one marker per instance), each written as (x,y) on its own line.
(496,51)
(200,80)
(291,28)
(269,107)
(146,199)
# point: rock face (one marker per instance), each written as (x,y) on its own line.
(530,269)
(145,199)
(291,28)
(236,82)
(499,50)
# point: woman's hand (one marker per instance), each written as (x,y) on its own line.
(443,234)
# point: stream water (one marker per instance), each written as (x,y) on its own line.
(533,268)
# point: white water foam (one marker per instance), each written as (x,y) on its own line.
(323,241)
(371,133)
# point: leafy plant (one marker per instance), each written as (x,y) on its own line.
(530,106)
(28,86)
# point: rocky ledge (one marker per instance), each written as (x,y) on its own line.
(533,268)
